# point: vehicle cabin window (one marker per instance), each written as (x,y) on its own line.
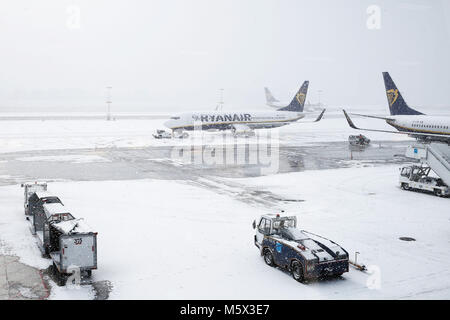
(51,200)
(33,199)
(264,226)
(61,217)
(289,223)
(283,224)
(267,226)
(405,172)
(276,224)
(261,224)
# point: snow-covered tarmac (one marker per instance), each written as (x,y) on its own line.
(25,135)
(192,238)
(169,239)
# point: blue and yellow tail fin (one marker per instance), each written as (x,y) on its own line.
(298,103)
(397,105)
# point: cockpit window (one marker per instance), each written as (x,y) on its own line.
(175,118)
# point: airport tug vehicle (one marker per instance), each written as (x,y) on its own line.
(68,241)
(306,255)
(162,134)
(417,178)
(358,140)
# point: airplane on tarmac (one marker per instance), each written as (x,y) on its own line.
(243,120)
(271,101)
(407,120)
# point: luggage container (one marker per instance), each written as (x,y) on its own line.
(29,189)
(74,250)
(36,205)
(68,241)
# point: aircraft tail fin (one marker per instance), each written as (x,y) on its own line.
(298,103)
(269,96)
(397,105)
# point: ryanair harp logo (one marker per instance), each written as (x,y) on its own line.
(392,96)
(300,98)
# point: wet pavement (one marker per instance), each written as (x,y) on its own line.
(158,163)
(20,282)
(102,289)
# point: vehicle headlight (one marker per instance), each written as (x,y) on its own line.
(311,265)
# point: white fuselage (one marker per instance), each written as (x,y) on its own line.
(232,120)
(421,124)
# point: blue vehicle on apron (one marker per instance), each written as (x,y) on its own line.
(304,254)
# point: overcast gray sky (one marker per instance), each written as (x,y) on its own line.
(176,54)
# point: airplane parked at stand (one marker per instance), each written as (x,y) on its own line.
(243,120)
(407,120)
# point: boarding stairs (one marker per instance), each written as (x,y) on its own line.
(435,155)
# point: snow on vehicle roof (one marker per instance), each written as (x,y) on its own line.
(44,194)
(73,226)
(279,216)
(55,208)
(35,183)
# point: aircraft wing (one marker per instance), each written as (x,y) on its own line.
(413,133)
(374,117)
(317,120)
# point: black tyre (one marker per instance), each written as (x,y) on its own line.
(268,257)
(405,186)
(53,269)
(61,279)
(297,271)
(437,192)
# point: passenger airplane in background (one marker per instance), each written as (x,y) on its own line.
(407,120)
(271,101)
(243,120)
